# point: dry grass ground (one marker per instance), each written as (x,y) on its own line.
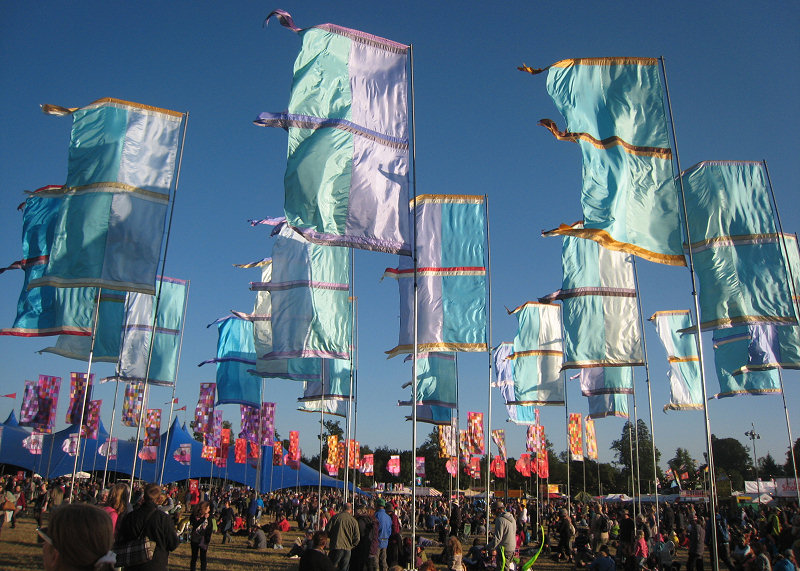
(19,551)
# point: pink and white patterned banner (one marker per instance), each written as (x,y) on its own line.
(79,390)
(132,405)
(267,423)
(205,408)
(152,427)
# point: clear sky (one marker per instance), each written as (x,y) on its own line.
(733,82)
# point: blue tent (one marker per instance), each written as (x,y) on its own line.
(60,463)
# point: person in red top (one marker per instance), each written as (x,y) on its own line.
(283,525)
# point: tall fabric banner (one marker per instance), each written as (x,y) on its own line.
(431,414)
(294,369)
(614,110)
(600,313)
(78,392)
(132,404)
(120,171)
(537,355)
(448,446)
(368,465)
(333,449)
(542,455)
(606,381)
(604,405)
(110,318)
(531,439)
(267,423)
(47,310)
(504,374)
(437,379)
(499,438)
(678,335)
(419,466)
(109,448)
(736,246)
(30,404)
(393,466)
(451,276)
(475,432)
(523,465)
(498,467)
(355,453)
(277,454)
(341,455)
(34,443)
(146,354)
(346,179)
(91,424)
(251,423)
(240,451)
(294,445)
(235,356)
(70,444)
(731,351)
(310,305)
(183,454)
(591,439)
(464,448)
(575,431)
(332,393)
(152,428)
(203,413)
(452,466)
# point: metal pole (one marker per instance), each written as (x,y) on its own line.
(111,431)
(796,298)
(569,452)
(489,353)
(174,384)
(416,308)
(649,391)
(319,482)
(352,300)
(637,487)
(753,437)
(709,451)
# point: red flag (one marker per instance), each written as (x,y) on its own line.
(498,467)
(523,465)
(180,409)
(277,454)
(240,451)
(10,396)
(254,452)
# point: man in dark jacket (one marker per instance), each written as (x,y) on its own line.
(148,520)
(364,556)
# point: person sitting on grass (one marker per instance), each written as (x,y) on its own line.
(301,545)
(257,538)
(603,561)
(315,559)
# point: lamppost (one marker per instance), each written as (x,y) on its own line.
(753,437)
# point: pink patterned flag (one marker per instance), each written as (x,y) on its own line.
(473,469)
(79,390)
(70,444)
(498,467)
(205,408)
(148,453)
(250,422)
(109,448)
(333,469)
(267,423)
(48,389)
(341,455)
(523,465)
(591,439)
(475,430)
(33,443)
(420,466)
(355,452)
(91,424)
(368,464)
(530,440)
(240,451)
(393,466)
(452,466)
(152,427)
(499,438)
(132,405)
(294,446)
(575,432)
(214,435)
(30,404)
(255,451)
(277,454)
(208,452)
(463,444)
(183,454)
(542,457)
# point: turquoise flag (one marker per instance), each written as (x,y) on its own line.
(538,355)
(120,172)
(606,380)
(437,379)
(611,404)
(331,394)
(731,350)
(677,333)
(614,110)
(147,354)
(737,251)
(451,277)
(47,310)
(346,180)
(504,375)
(235,356)
(599,306)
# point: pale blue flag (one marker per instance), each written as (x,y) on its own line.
(152,354)
(451,277)
(599,306)
(737,251)
(504,375)
(731,353)
(537,356)
(332,393)
(614,109)
(606,381)
(431,414)
(235,357)
(310,304)
(437,379)
(677,333)
(120,172)
(611,404)
(46,310)
(346,180)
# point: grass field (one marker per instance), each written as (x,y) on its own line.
(19,551)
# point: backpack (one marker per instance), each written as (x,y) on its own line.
(198,533)
(605,525)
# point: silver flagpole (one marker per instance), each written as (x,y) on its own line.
(566,420)
(416,309)
(489,353)
(110,432)
(637,487)
(85,393)
(174,384)
(321,425)
(711,469)
(352,372)
(354,395)
(649,391)
(793,291)
(457,437)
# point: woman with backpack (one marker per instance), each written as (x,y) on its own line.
(202,526)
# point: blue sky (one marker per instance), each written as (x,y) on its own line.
(731,81)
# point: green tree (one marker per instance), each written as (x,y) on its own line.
(629,461)
(732,459)
(768,467)
(787,467)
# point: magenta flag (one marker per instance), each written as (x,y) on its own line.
(205,408)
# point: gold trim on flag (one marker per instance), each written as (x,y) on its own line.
(447,199)
(607,143)
(428,347)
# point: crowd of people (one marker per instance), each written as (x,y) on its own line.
(84,527)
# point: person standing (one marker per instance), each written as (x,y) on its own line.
(697,537)
(344,535)
(505,533)
(364,557)
(384,532)
(315,559)
(226,518)
(200,536)
(148,520)
(455,519)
